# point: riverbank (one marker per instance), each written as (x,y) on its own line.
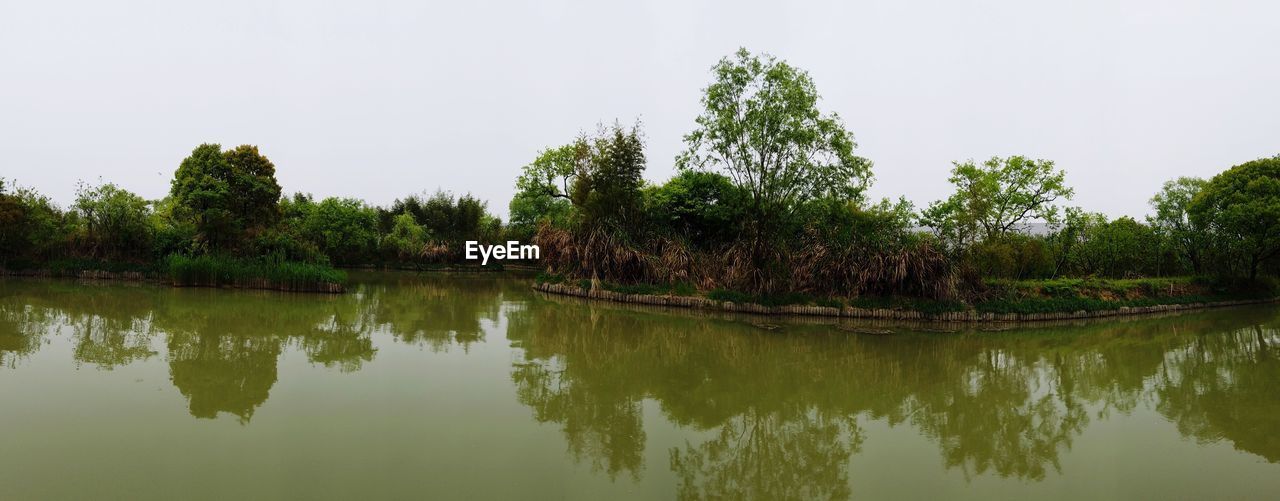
(202,271)
(1026,301)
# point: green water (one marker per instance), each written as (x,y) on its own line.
(476,387)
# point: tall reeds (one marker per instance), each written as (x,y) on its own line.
(223,271)
(809,265)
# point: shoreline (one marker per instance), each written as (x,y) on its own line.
(161,279)
(967,316)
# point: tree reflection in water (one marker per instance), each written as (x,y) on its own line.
(776,414)
(782,407)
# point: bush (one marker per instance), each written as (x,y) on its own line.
(704,208)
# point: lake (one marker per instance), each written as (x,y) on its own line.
(476,387)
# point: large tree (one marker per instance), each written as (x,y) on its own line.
(1172,219)
(761,125)
(226,194)
(1241,207)
(997,197)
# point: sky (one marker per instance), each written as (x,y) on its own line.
(379,100)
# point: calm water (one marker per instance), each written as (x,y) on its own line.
(476,387)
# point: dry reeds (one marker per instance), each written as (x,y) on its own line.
(811,265)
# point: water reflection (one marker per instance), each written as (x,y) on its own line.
(781,407)
(763,414)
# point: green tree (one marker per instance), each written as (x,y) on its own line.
(704,208)
(552,173)
(761,125)
(116,221)
(345,229)
(1241,208)
(226,194)
(12,215)
(993,199)
(31,225)
(1173,222)
(606,188)
(406,238)
(1122,247)
(1067,235)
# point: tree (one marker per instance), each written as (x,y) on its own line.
(1068,234)
(553,171)
(762,126)
(997,197)
(12,215)
(1241,208)
(1118,248)
(1173,222)
(31,225)
(595,180)
(116,221)
(345,229)
(406,238)
(226,194)
(705,208)
(253,183)
(606,188)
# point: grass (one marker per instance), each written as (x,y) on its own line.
(1094,294)
(214,271)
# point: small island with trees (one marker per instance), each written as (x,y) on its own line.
(769,209)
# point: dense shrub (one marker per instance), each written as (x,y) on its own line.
(704,208)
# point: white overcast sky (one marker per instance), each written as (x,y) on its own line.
(380,99)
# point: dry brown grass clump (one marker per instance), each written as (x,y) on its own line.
(811,266)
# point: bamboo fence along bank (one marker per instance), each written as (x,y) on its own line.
(967,315)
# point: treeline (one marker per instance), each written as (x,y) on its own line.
(770,199)
(225,214)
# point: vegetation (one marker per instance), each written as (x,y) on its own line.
(225,223)
(1240,210)
(996,199)
(761,125)
(215,271)
(768,205)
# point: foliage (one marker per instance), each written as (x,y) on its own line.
(1119,248)
(345,229)
(1013,256)
(116,222)
(12,217)
(226,194)
(1241,209)
(444,217)
(606,189)
(1089,294)
(1173,222)
(996,198)
(542,190)
(761,125)
(33,228)
(406,239)
(704,208)
(219,270)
